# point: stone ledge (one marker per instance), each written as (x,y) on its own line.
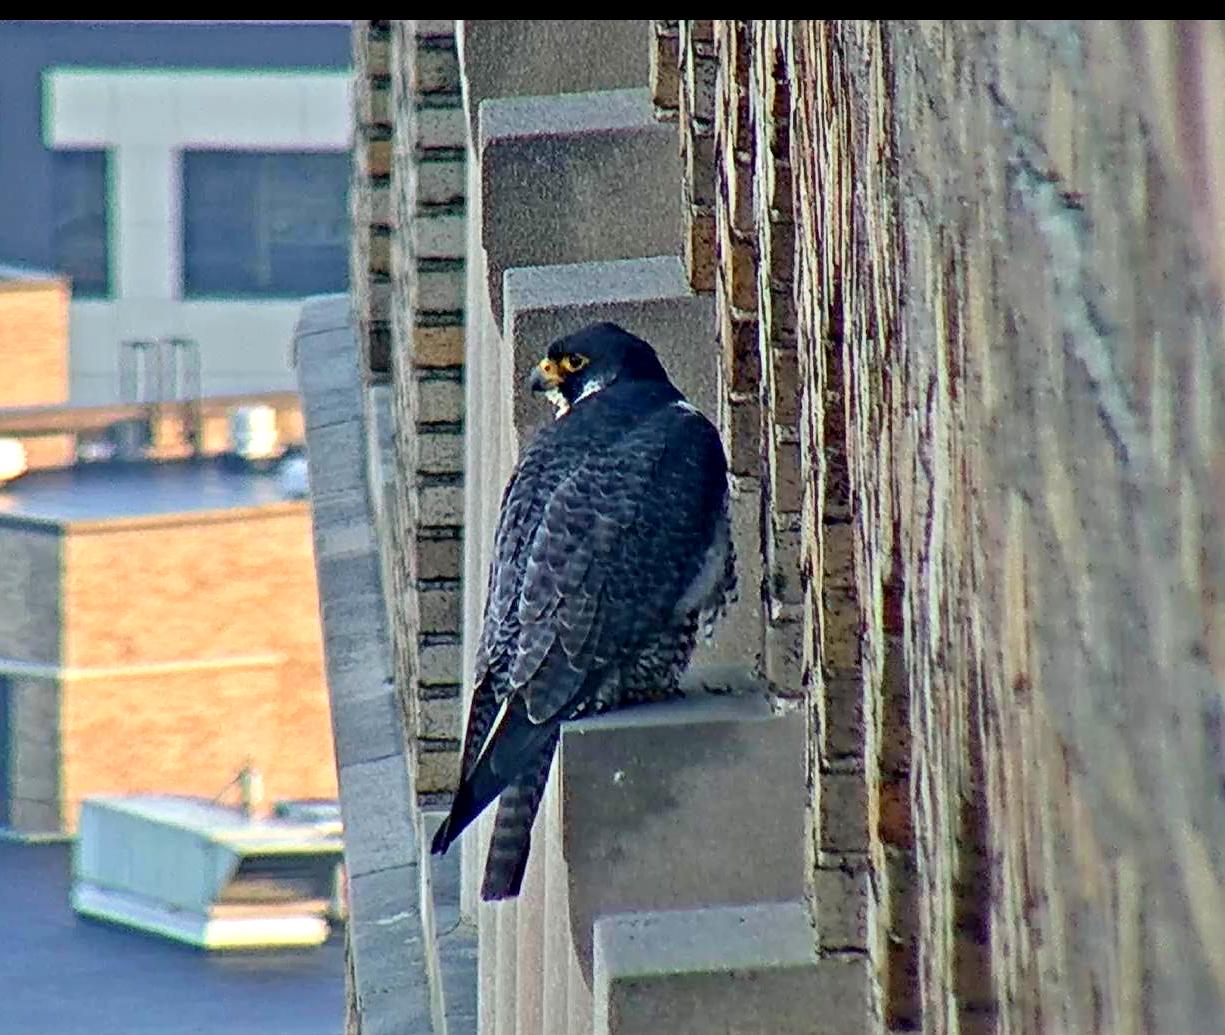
(747,969)
(575,178)
(453,952)
(686,805)
(376,792)
(513,58)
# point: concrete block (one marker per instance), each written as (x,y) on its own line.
(438,291)
(439,182)
(435,70)
(347,576)
(751,970)
(389,952)
(437,767)
(341,519)
(439,718)
(441,505)
(665,71)
(845,813)
(331,394)
(438,236)
(523,58)
(844,902)
(576,178)
(843,729)
(440,399)
(441,346)
(368,727)
(438,558)
(441,127)
(438,663)
(683,805)
(784,656)
(738,637)
(373,807)
(425,28)
(351,617)
(438,609)
(440,453)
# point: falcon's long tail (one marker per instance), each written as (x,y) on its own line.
(512,827)
(513,751)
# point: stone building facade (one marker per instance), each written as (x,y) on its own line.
(147,651)
(34,353)
(954,292)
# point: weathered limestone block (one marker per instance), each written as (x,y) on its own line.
(575,178)
(748,969)
(376,786)
(531,57)
(681,806)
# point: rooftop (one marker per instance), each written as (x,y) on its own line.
(109,490)
(224,823)
(69,976)
(10,272)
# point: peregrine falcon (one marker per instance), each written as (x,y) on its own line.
(612,550)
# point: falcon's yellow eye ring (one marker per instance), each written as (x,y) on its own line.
(572,364)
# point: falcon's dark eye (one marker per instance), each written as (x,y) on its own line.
(572,364)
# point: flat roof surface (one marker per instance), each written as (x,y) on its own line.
(220,823)
(113,489)
(64,975)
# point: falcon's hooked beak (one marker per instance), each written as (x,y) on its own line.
(545,377)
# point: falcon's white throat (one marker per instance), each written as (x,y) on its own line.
(559,401)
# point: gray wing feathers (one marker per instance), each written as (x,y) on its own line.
(615,548)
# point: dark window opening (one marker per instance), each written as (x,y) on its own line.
(261,225)
(80,225)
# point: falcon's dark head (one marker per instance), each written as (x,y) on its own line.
(589,360)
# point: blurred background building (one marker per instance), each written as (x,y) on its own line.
(189,178)
(168,193)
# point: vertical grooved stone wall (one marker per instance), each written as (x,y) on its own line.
(999,271)
(969,292)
